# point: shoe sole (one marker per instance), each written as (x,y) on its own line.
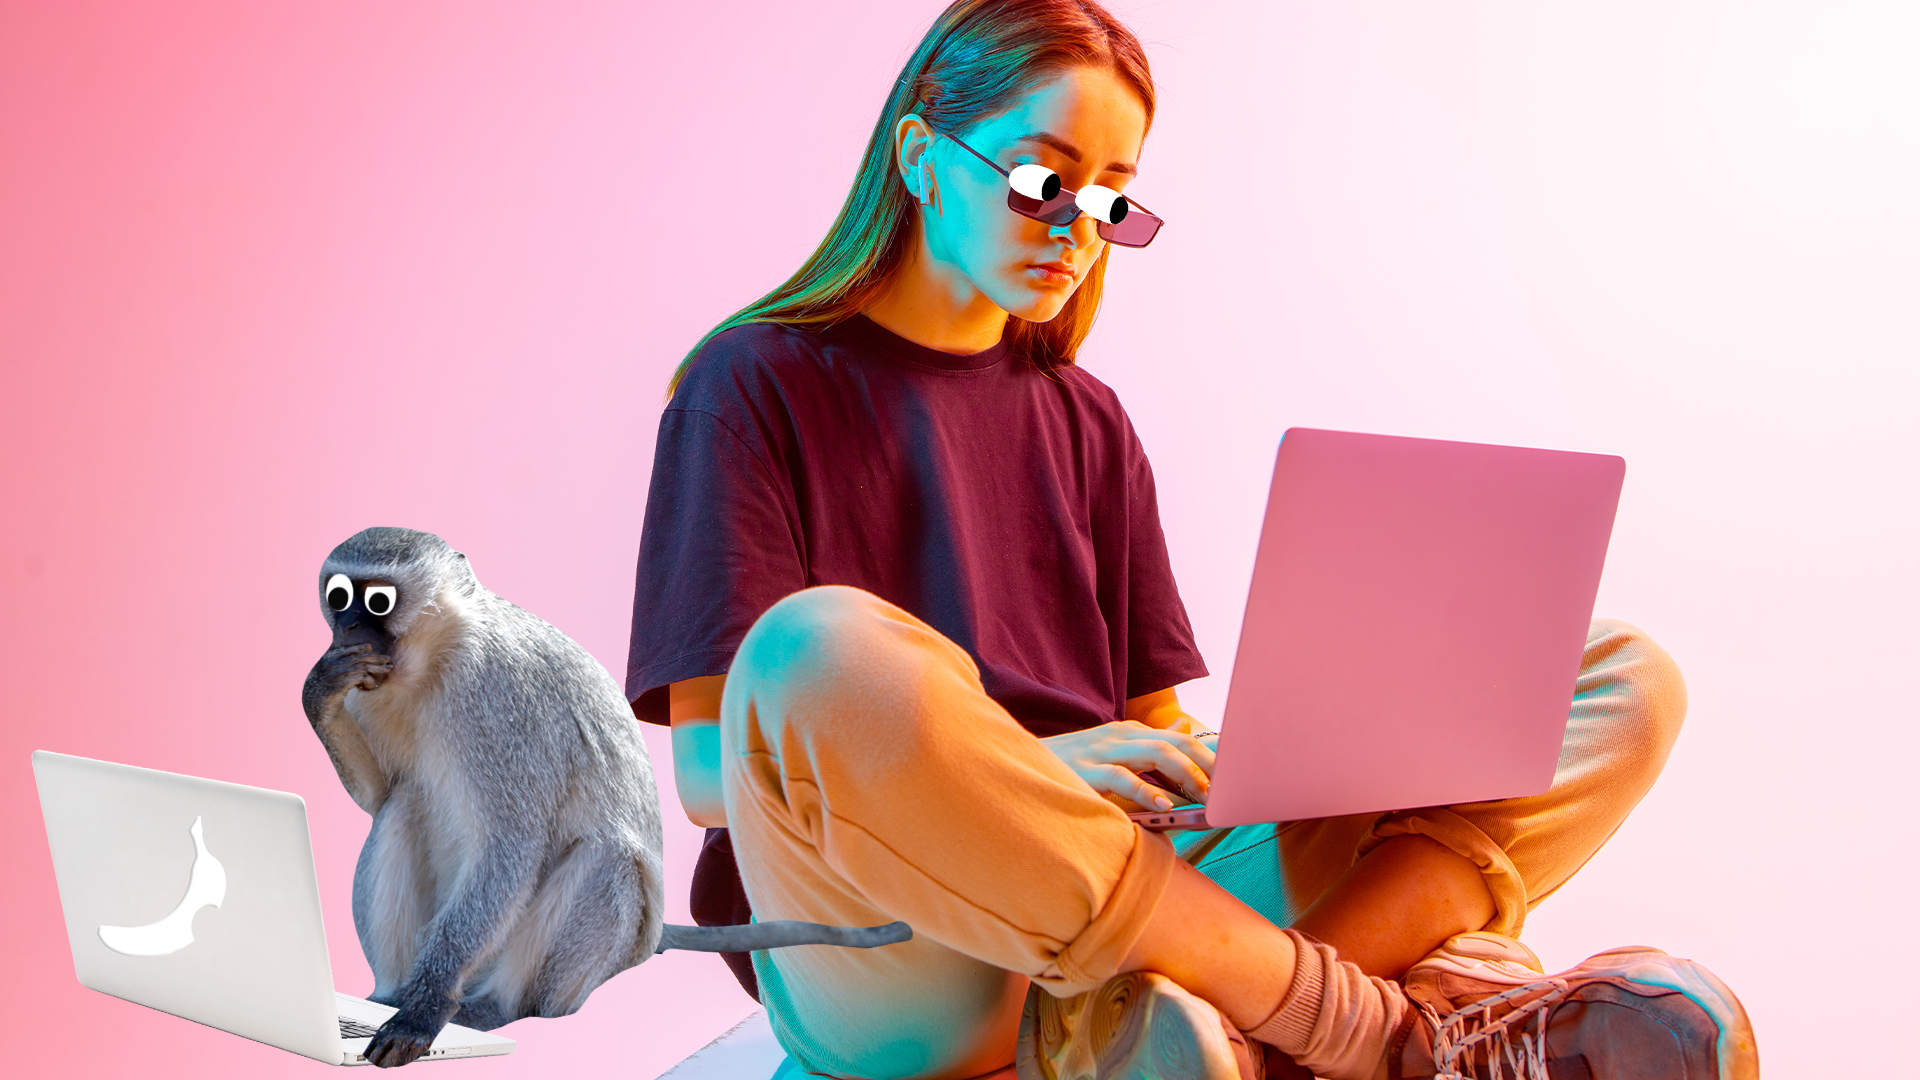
(1138,1026)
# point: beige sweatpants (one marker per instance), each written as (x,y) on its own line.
(868,778)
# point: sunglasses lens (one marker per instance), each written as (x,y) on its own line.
(1136,227)
(1135,230)
(1059,210)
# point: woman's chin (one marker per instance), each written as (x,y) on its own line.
(1036,305)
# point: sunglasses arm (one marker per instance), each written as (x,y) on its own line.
(989,163)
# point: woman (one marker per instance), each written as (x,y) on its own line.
(904,598)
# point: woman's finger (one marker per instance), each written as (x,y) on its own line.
(1201,750)
(1198,750)
(1185,761)
(1164,756)
(1128,785)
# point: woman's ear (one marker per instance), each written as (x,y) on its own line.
(913,147)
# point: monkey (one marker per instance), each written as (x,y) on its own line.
(514,859)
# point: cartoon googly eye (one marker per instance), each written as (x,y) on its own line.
(1035,181)
(339,592)
(1104,203)
(380,599)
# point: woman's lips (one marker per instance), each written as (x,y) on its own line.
(1052,273)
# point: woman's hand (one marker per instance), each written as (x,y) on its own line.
(1112,757)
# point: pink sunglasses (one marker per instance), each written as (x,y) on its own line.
(1034,191)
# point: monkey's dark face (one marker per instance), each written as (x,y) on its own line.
(359,610)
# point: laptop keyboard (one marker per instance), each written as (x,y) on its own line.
(354,1029)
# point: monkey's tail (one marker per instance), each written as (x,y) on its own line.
(778,935)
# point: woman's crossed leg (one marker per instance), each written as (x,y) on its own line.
(868,777)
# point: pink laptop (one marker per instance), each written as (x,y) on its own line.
(1414,627)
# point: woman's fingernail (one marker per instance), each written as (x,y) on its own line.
(1162,802)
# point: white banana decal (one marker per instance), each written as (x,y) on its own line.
(206,886)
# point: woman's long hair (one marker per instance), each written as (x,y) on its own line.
(979,57)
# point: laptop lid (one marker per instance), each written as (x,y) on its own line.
(1414,626)
(192,896)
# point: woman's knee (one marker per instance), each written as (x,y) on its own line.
(1629,701)
(839,642)
(817,631)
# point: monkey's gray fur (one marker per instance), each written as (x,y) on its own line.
(514,863)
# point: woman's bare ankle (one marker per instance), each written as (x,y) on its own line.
(1217,948)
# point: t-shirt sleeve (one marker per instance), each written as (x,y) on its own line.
(1160,646)
(717,548)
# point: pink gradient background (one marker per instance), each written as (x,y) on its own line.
(269,274)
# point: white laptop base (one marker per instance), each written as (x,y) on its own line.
(453,1041)
(198,898)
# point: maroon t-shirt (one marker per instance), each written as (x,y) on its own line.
(1010,508)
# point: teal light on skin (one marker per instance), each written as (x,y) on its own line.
(973,261)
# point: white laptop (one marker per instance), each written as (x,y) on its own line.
(198,898)
(1413,630)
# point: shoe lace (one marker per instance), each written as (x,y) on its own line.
(1468,1029)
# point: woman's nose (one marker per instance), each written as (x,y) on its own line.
(1080,232)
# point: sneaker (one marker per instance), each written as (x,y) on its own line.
(1139,1026)
(1482,1008)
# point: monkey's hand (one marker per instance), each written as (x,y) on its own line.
(404,1037)
(347,667)
(341,669)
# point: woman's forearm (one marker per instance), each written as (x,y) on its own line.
(694,708)
(696,772)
